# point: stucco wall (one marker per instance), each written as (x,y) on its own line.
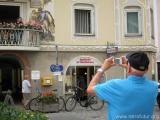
(104,22)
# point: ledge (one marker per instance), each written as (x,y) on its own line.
(96,48)
(19,48)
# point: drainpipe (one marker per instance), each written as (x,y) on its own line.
(56,54)
(59,85)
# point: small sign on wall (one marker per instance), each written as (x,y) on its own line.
(35,3)
(35,75)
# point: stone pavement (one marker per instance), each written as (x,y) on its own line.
(87,114)
(79,113)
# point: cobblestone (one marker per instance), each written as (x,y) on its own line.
(87,114)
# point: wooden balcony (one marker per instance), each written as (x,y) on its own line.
(20,39)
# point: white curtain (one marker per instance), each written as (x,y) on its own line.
(83,21)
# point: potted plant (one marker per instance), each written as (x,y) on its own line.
(49,102)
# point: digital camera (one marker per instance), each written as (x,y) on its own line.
(117,60)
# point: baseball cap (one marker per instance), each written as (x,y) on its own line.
(138,60)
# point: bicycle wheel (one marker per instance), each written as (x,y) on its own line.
(71,103)
(61,103)
(33,104)
(95,103)
(84,103)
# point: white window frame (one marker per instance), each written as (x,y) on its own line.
(85,7)
(139,11)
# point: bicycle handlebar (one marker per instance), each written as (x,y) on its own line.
(55,90)
(77,87)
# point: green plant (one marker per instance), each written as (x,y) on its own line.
(10,113)
(48,99)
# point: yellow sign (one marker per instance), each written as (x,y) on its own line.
(47,81)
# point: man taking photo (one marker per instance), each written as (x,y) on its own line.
(132,98)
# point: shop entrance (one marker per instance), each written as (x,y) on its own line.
(10,77)
(83,75)
(80,72)
(79,76)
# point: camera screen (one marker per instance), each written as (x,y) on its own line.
(117,61)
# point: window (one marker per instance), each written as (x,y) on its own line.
(152,23)
(83,19)
(133,25)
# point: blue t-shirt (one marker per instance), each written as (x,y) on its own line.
(129,99)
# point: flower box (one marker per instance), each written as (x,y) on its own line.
(48,102)
(51,107)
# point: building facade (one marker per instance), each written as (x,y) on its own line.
(157,36)
(77,34)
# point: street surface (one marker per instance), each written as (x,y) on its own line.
(80,113)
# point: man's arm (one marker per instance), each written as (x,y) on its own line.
(97,78)
(29,84)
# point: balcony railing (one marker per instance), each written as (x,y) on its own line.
(11,38)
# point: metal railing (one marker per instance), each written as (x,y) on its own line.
(20,37)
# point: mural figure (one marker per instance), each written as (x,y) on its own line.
(46,20)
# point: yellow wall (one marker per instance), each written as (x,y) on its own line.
(105,23)
(145,39)
(104,17)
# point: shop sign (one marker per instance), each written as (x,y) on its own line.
(112,50)
(85,60)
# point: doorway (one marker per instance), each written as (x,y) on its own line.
(9,13)
(10,77)
(84,75)
(80,72)
(79,76)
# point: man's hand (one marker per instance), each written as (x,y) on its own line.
(108,63)
(124,62)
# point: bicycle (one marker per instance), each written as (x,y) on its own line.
(47,102)
(92,101)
